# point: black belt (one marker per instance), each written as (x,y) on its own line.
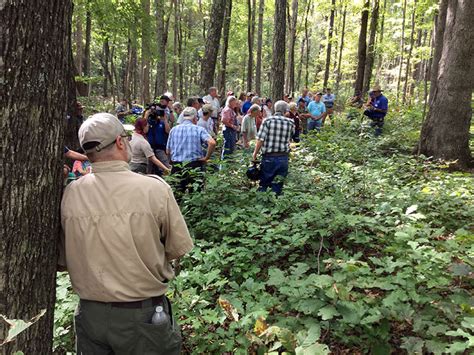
(276,154)
(149,302)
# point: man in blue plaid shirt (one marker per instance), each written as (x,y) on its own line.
(185,148)
(273,139)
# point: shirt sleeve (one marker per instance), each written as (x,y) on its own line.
(146,149)
(204,135)
(383,104)
(170,138)
(177,239)
(324,108)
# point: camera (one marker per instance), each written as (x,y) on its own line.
(155,110)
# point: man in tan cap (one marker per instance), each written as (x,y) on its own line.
(377,110)
(121,232)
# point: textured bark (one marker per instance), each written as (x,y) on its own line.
(438,42)
(78,40)
(87,50)
(278,60)
(105,67)
(33,107)
(225,46)
(410,52)
(250,39)
(445,133)
(146,52)
(292,21)
(341,47)
(174,80)
(380,40)
(402,49)
(369,62)
(162,24)
(307,36)
(329,46)
(362,49)
(258,69)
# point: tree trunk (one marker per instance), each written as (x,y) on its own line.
(87,49)
(445,133)
(410,52)
(341,47)
(250,39)
(292,21)
(258,69)
(225,46)
(278,60)
(162,22)
(402,49)
(438,42)
(146,52)
(208,66)
(105,67)
(307,36)
(33,106)
(362,50)
(329,46)
(380,40)
(369,63)
(300,65)
(180,51)
(78,38)
(174,81)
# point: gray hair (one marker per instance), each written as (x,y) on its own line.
(281,107)
(293,105)
(177,104)
(254,108)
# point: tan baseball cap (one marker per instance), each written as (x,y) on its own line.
(99,131)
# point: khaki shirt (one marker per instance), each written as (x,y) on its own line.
(141,149)
(121,230)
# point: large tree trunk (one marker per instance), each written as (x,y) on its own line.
(162,23)
(445,133)
(225,46)
(208,65)
(278,60)
(146,52)
(33,107)
(402,49)
(341,47)
(250,39)
(258,69)
(292,21)
(329,46)
(362,51)
(369,63)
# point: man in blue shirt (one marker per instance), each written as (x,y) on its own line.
(305,97)
(247,103)
(377,110)
(317,110)
(185,149)
(157,134)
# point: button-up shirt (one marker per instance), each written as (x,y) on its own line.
(276,132)
(185,142)
(121,230)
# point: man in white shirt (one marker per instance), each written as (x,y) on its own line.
(214,101)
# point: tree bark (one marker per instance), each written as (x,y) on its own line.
(292,21)
(87,49)
(341,47)
(250,39)
(78,39)
(402,49)
(445,133)
(410,52)
(146,52)
(362,50)
(34,95)
(258,69)
(225,46)
(307,36)
(369,63)
(329,46)
(162,23)
(278,60)
(174,81)
(380,40)
(105,67)
(208,66)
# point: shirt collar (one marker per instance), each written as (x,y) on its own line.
(187,122)
(110,166)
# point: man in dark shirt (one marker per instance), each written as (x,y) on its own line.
(274,139)
(377,110)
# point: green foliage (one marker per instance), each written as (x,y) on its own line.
(368,250)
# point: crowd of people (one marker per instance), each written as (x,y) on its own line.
(123,231)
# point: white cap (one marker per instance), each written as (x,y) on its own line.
(99,131)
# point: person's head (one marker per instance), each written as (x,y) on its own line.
(269,103)
(254,110)
(377,90)
(255,100)
(281,106)
(301,103)
(124,102)
(304,92)
(177,107)
(317,97)
(164,100)
(193,102)
(250,95)
(103,138)
(357,93)
(200,102)
(141,126)
(207,110)
(213,91)
(242,96)
(190,114)
(293,107)
(328,91)
(231,102)
(230,93)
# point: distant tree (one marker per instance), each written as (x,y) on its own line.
(369,62)
(258,69)
(362,49)
(329,45)
(278,60)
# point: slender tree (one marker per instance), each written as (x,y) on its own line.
(402,48)
(292,21)
(225,47)
(341,48)
(445,133)
(329,45)
(208,66)
(278,60)
(410,52)
(87,47)
(146,52)
(162,24)
(176,21)
(250,39)
(34,88)
(258,69)
(362,51)
(369,63)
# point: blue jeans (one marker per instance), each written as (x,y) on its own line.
(315,124)
(378,124)
(273,167)
(230,139)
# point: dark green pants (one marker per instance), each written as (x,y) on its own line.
(104,329)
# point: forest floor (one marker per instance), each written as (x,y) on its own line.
(369,250)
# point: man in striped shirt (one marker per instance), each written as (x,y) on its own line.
(273,140)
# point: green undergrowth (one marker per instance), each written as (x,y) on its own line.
(369,250)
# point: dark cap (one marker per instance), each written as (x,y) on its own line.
(164,97)
(200,100)
(319,93)
(250,94)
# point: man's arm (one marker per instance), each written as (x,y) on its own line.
(258,146)
(211,145)
(75,155)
